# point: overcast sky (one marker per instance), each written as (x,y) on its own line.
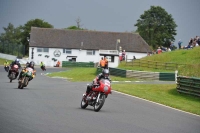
(101,15)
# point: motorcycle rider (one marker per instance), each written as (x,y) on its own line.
(27,63)
(16,62)
(6,64)
(103,75)
(31,65)
(42,65)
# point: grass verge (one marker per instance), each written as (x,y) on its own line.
(163,93)
(84,74)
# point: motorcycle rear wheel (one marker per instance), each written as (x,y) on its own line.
(83,103)
(98,105)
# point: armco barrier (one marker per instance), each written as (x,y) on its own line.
(117,72)
(188,85)
(164,76)
(143,74)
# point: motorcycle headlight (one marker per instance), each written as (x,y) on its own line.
(29,73)
(105,88)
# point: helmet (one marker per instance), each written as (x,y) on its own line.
(17,61)
(106,73)
(31,64)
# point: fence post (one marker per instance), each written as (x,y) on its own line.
(176,75)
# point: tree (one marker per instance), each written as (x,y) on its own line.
(156,27)
(78,27)
(10,40)
(11,35)
(27,28)
(73,28)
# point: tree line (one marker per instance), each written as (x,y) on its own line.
(155,26)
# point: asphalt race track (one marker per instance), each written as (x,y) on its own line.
(52,105)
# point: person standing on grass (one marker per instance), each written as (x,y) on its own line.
(102,63)
(106,62)
(179,44)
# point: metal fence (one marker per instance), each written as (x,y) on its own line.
(12,49)
(153,64)
(188,85)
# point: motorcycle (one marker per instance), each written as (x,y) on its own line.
(97,95)
(6,68)
(43,68)
(14,71)
(27,74)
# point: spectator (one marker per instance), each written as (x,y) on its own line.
(58,64)
(179,44)
(102,63)
(163,49)
(123,55)
(172,46)
(106,62)
(198,40)
(168,49)
(159,51)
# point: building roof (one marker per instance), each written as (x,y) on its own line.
(84,39)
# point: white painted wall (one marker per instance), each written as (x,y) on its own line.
(81,57)
(137,55)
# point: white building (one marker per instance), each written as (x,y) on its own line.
(49,45)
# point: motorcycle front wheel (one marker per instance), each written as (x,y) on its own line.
(98,105)
(83,103)
(21,84)
(11,77)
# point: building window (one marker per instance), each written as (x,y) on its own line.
(67,51)
(110,58)
(90,52)
(46,50)
(39,49)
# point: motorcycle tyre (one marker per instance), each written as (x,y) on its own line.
(26,81)
(83,104)
(98,107)
(21,84)
(11,75)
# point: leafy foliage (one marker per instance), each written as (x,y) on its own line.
(73,28)
(11,35)
(27,28)
(20,34)
(157,27)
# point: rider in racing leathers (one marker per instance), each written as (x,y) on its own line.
(16,62)
(104,74)
(31,65)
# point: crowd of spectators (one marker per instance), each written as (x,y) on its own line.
(193,42)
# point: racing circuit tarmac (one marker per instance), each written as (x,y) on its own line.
(52,105)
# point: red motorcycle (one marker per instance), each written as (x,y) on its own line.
(97,95)
(14,71)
